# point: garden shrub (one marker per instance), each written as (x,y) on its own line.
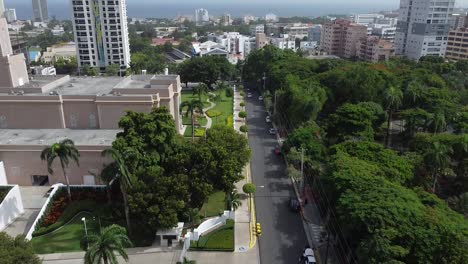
(244,129)
(229,92)
(229,121)
(199,132)
(213,113)
(4,191)
(242,94)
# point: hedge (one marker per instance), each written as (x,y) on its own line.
(213,113)
(229,121)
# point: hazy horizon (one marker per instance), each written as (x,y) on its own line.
(163,9)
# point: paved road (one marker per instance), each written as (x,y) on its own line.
(283,236)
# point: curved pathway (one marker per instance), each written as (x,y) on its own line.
(208,119)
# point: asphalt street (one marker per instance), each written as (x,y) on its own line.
(283,237)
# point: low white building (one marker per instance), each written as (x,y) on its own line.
(64,51)
(10,15)
(283,42)
(255,29)
(270,17)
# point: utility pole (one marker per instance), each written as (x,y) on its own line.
(264,81)
(274,105)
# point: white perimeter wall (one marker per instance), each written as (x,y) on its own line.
(3,178)
(11,207)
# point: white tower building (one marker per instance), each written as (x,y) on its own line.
(201,17)
(422,27)
(101,33)
(40,11)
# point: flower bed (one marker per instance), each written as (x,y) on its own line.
(59,202)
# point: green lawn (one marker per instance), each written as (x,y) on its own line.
(215,205)
(186,120)
(67,238)
(199,131)
(221,239)
(225,106)
(189,96)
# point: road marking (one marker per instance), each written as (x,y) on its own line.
(262,186)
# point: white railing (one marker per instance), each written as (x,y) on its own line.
(11,207)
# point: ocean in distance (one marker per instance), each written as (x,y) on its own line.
(62,9)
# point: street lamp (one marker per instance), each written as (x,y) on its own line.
(86,231)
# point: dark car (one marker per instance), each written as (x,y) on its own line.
(294,204)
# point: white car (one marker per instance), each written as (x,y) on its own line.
(260,98)
(249,95)
(308,256)
(272,131)
(268,119)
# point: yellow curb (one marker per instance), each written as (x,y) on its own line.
(251,205)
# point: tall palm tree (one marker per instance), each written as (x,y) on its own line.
(438,122)
(123,175)
(65,151)
(437,157)
(102,247)
(233,200)
(200,90)
(192,106)
(393,97)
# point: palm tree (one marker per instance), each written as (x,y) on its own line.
(438,122)
(199,90)
(393,97)
(102,247)
(437,157)
(123,175)
(192,106)
(233,200)
(65,150)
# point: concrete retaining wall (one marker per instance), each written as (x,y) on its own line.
(11,207)
(211,224)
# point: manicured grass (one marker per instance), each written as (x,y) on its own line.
(186,120)
(225,106)
(221,239)
(67,238)
(188,96)
(199,131)
(215,205)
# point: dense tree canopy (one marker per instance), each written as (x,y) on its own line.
(16,250)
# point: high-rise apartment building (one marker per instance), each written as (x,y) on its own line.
(2,8)
(41,14)
(457,45)
(201,17)
(339,38)
(422,27)
(366,19)
(101,33)
(10,14)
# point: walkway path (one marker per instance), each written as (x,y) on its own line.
(209,121)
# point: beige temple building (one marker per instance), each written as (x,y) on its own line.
(36,112)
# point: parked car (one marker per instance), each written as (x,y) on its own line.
(268,119)
(277,150)
(272,131)
(308,256)
(260,98)
(294,204)
(249,95)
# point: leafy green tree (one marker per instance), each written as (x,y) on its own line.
(65,151)
(233,200)
(248,188)
(230,152)
(104,246)
(16,250)
(207,69)
(351,121)
(122,175)
(88,70)
(393,97)
(309,137)
(416,120)
(192,106)
(112,70)
(242,114)
(438,159)
(438,122)
(66,66)
(244,129)
(200,90)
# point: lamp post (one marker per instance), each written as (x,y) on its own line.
(86,231)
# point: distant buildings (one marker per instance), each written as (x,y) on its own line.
(460,20)
(457,45)
(296,30)
(226,20)
(340,37)
(422,28)
(201,17)
(64,51)
(283,42)
(374,49)
(40,11)
(261,40)
(10,15)
(2,8)
(249,18)
(365,19)
(101,33)
(270,17)
(255,29)
(314,33)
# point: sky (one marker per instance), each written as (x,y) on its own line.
(172,8)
